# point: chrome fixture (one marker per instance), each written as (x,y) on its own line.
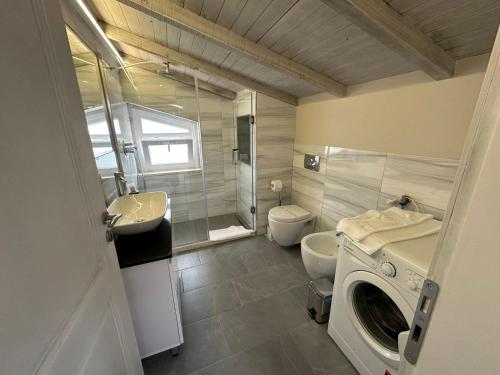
(121,184)
(110,220)
(128,148)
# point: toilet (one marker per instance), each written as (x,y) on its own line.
(289,224)
(319,254)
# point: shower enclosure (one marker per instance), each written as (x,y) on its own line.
(244,158)
(155,128)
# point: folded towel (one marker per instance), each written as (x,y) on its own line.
(360,227)
(376,241)
(227,233)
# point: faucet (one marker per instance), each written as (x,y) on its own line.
(110,219)
(121,184)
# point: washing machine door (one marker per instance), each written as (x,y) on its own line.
(379,313)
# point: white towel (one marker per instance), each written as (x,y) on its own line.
(227,233)
(360,227)
(376,241)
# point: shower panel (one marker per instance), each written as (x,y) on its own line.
(165,127)
(244,159)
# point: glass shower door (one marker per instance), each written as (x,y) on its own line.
(163,115)
(244,159)
(113,81)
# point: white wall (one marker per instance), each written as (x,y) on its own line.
(407,114)
(463,333)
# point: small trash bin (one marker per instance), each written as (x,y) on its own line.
(320,299)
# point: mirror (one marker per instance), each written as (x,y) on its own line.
(87,73)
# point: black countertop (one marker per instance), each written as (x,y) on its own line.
(135,249)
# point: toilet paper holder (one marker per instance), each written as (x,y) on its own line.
(277,186)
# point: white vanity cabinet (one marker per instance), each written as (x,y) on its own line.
(153,295)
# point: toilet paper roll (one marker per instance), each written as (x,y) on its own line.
(276,186)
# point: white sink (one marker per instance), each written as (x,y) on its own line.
(140,212)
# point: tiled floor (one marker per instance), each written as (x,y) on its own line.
(187,232)
(243,306)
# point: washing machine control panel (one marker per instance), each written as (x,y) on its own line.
(390,267)
(400,272)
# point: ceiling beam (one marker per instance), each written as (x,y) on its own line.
(381,21)
(170,12)
(157,67)
(172,55)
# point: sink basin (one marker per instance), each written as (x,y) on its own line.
(140,212)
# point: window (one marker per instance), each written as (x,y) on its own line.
(101,140)
(169,153)
(165,142)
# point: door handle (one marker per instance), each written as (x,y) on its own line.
(235,152)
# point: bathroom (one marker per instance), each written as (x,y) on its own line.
(204,169)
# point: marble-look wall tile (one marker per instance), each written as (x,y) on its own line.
(428,180)
(364,168)
(356,181)
(352,184)
(308,185)
(385,199)
(275,133)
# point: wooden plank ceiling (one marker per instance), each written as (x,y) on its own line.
(308,32)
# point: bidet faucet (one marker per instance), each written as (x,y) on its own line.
(121,184)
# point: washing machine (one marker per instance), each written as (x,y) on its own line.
(374,300)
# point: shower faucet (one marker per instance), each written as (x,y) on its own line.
(128,148)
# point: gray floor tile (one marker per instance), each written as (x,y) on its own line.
(267,282)
(320,351)
(189,232)
(234,257)
(204,345)
(205,302)
(274,254)
(295,356)
(270,358)
(300,294)
(206,254)
(204,275)
(255,323)
(222,221)
(348,370)
(180,262)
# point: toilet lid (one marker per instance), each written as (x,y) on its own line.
(289,214)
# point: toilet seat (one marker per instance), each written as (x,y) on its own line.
(288,224)
(289,214)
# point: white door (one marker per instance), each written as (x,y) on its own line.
(462,336)
(63,308)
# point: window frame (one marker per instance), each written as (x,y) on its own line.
(143,141)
